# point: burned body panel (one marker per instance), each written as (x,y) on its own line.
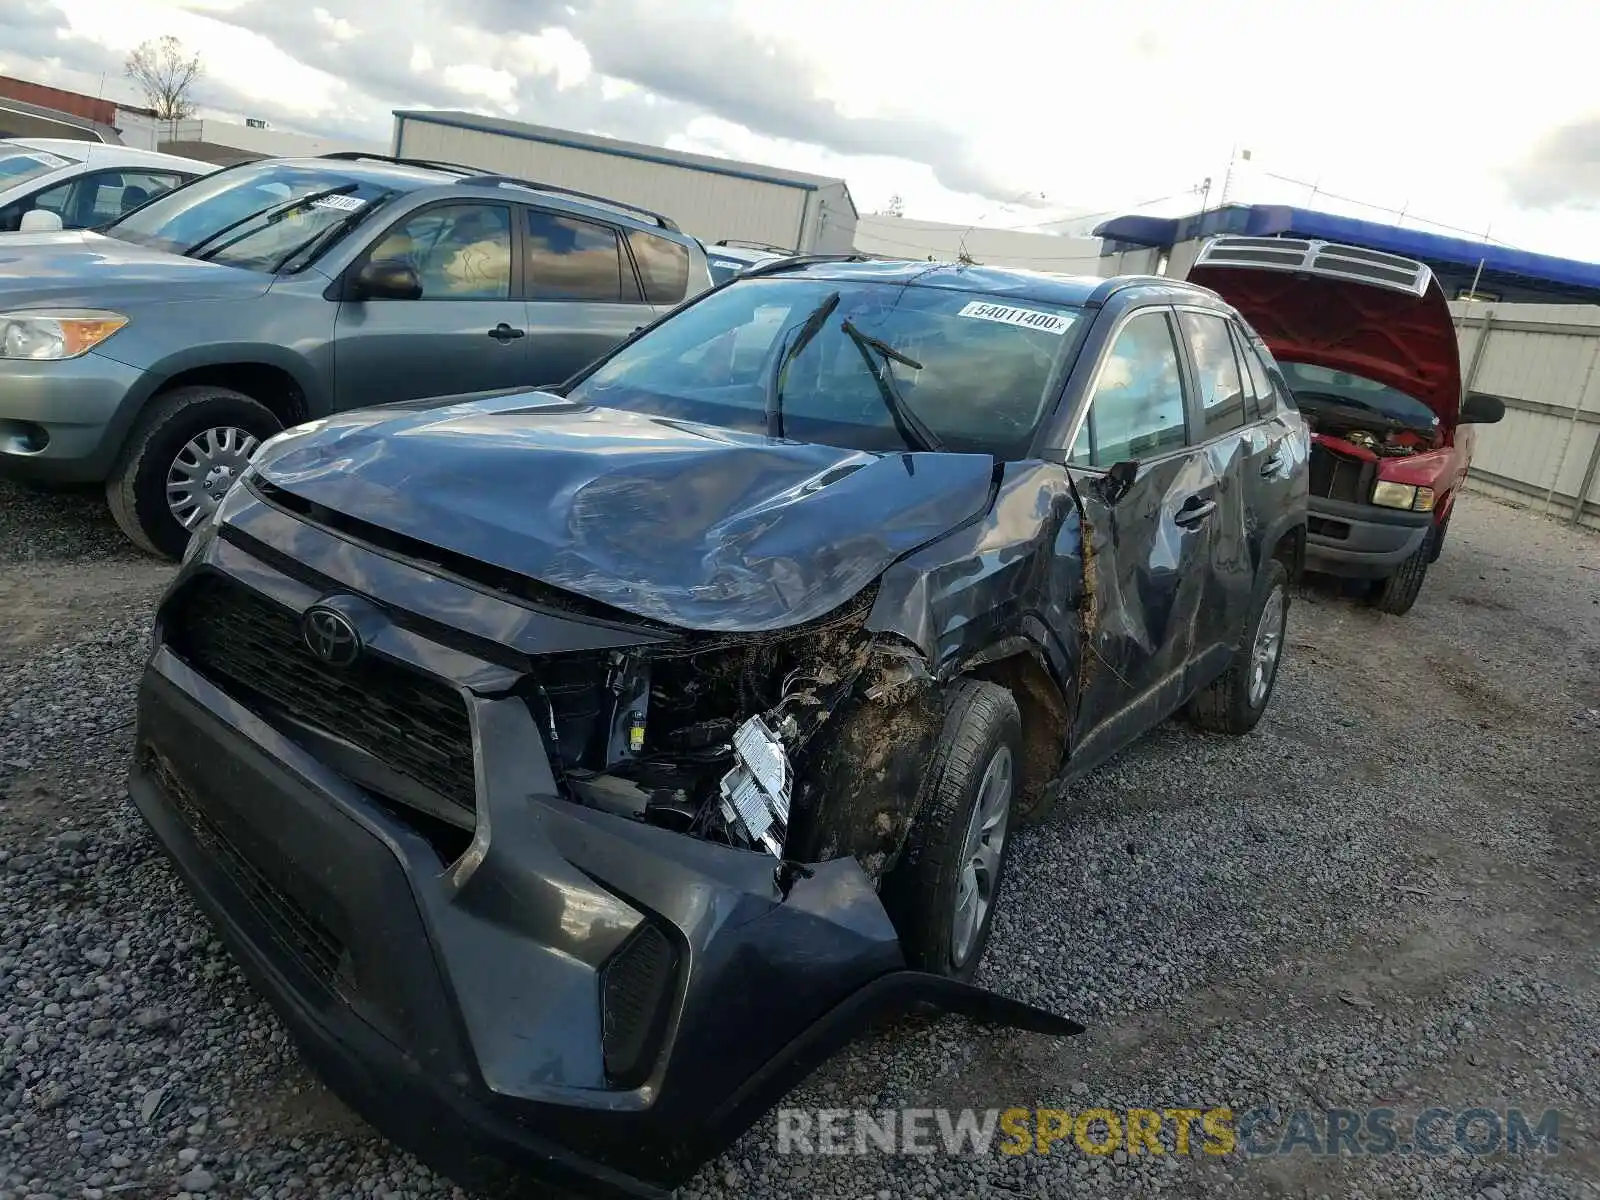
(692,526)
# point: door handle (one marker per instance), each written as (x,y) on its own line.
(1274,461)
(503,333)
(1195,510)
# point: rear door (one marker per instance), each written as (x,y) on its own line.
(581,292)
(468,330)
(1236,456)
(1148,547)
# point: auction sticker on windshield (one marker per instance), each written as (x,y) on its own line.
(1027,318)
(339,203)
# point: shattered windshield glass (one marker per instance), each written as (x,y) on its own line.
(977,371)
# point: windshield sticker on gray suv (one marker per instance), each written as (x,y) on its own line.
(1027,318)
(341,203)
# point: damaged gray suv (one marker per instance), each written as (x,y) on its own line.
(574,769)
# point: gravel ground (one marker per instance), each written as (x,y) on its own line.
(1386,896)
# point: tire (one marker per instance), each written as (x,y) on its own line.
(1396,594)
(981,743)
(1234,701)
(137,491)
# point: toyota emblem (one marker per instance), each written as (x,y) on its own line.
(330,636)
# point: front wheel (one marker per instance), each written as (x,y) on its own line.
(942,892)
(179,461)
(1396,594)
(1234,701)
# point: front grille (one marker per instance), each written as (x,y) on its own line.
(251,647)
(305,938)
(634,991)
(1340,478)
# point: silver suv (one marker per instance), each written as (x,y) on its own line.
(157,352)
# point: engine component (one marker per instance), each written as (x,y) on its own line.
(755,794)
(1360,437)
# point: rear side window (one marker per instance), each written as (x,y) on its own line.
(1256,371)
(1136,410)
(569,259)
(663,265)
(1217,371)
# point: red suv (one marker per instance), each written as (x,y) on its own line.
(1367,344)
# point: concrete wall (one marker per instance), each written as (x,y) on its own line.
(1545,360)
(709,206)
(904,237)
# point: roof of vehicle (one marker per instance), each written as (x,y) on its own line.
(414,174)
(995,281)
(105,154)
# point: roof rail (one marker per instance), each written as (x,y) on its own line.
(802,260)
(620,205)
(429,163)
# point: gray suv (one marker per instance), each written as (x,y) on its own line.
(154,354)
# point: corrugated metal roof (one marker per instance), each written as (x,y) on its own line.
(1267,220)
(637,150)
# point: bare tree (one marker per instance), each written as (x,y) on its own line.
(165,71)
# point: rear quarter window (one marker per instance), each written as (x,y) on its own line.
(663,267)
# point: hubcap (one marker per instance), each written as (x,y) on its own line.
(980,857)
(1266,648)
(204,470)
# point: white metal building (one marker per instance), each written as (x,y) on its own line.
(904,237)
(711,198)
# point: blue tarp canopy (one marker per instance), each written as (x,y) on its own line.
(1268,220)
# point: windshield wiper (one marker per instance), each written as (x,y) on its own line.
(318,242)
(916,433)
(802,338)
(265,215)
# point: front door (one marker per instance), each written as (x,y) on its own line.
(1150,501)
(466,333)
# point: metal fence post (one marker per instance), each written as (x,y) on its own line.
(1572,427)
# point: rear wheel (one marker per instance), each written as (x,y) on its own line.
(179,461)
(1396,594)
(943,891)
(1234,701)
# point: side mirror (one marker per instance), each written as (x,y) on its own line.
(385,279)
(1480,408)
(40,220)
(1114,484)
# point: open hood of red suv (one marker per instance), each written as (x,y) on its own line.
(1343,308)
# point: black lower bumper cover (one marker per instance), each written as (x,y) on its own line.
(432,1101)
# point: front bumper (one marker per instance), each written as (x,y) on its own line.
(1361,541)
(458,1004)
(60,422)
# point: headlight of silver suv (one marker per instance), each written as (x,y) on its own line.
(45,334)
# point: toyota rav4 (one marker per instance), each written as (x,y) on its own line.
(573,768)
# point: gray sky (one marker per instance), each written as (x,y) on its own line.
(969,110)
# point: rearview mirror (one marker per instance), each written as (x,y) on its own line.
(385,279)
(40,220)
(1480,408)
(1117,480)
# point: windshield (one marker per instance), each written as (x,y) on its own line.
(256,201)
(980,373)
(1311,383)
(19,166)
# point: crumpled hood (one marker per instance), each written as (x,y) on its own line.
(1395,338)
(696,526)
(78,268)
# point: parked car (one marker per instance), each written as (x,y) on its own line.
(573,769)
(157,353)
(727,258)
(83,184)
(1367,344)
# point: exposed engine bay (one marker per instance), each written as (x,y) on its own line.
(1366,429)
(735,739)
